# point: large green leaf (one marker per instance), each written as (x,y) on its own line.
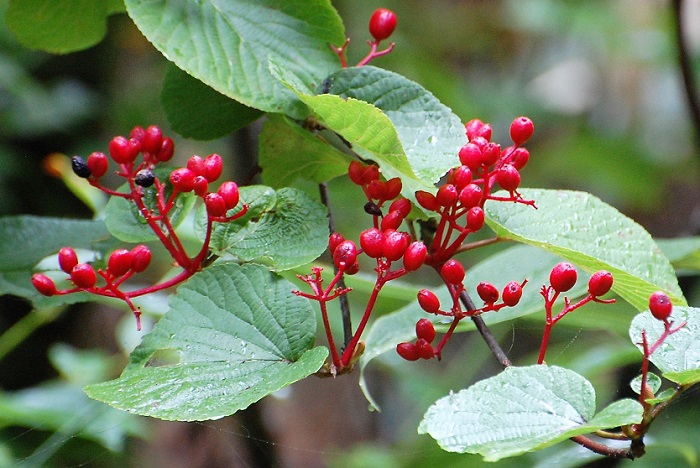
(197,111)
(233,335)
(683,252)
(282,229)
(60,26)
(593,235)
(679,355)
(227,44)
(288,152)
(520,410)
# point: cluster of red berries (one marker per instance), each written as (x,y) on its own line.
(422,348)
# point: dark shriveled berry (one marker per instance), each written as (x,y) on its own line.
(144,178)
(371,208)
(80,167)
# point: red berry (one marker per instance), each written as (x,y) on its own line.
(408,351)
(119,262)
(425,349)
(462,176)
(80,167)
(519,158)
(376,189)
(392,220)
(452,271)
(140,258)
(480,141)
(447,195)
(473,127)
(137,133)
(484,132)
(98,164)
(371,242)
(229,192)
(201,186)
(152,140)
(425,330)
(182,179)
(600,283)
(394,244)
(415,256)
(402,205)
(83,276)
(475,218)
(428,301)
(369,174)
(355,171)
(660,305)
(470,155)
(43,284)
(196,165)
(563,276)
(124,151)
(512,292)
(490,154)
(393,188)
(345,254)
(508,177)
(216,206)
(382,24)
(212,167)
(470,196)
(333,241)
(167,149)
(487,292)
(521,130)
(352,269)
(427,200)
(67,259)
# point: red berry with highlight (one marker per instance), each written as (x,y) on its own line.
(415,255)
(167,149)
(369,174)
(402,205)
(490,154)
(563,276)
(345,254)
(392,220)
(470,155)
(427,200)
(447,195)
(201,186)
(473,127)
(334,240)
(394,244)
(453,272)
(43,284)
(475,218)
(470,196)
(230,193)
(425,330)
(119,262)
(428,301)
(382,24)
(408,351)
(600,283)
(140,258)
(519,158)
(216,206)
(462,176)
(371,242)
(124,151)
(196,164)
(376,189)
(425,349)
(83,276)
(212,167)
(183,179)
(512,292)
(393,188)
(487,292)
(521,130)
(152,140)
(67,259)
(98,164)
(508,177)
(355,171)
(660,306)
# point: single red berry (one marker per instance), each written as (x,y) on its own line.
(487,292)
(392,220)
(182,179)
(382,24)
(470,155)
(212,167)
(43,284)
(490,154)
(371,241)
(475,218)
(470,196)
(83,276)
(519,158)
(428,301)
(484,132)
(480,142)
(472,127)
(152,140)
(67,259)
(600,283)
(425,349)
(196,165)
(230,193)
(334,240)
(508,177)
(376,189)
(119,262)
(415,256)
(512,292)
(453,271)
(355,171)
(80,167)
(370,173)
(462,176)
(352,269)
(408,351)
(563,276)
(201,186)
(393,188)
(140,258)
(394,244)
(447,195)
(521,130)
(660,306)
(345,254)
(98,164)
(124,151)
(137,133)
(402,205)
(145,178)
(167,149)
(216,206)
(427,200)
(425,330)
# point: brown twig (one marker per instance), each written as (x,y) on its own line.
(689,84)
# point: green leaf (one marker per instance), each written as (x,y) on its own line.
(287,152)
(430,133)
(197,111)
(679,355)
(591,234)
(683,252)
(653,381)
(233,335)
(227,44)
(520,410)
(60,26)
(124,221)
(282,229)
